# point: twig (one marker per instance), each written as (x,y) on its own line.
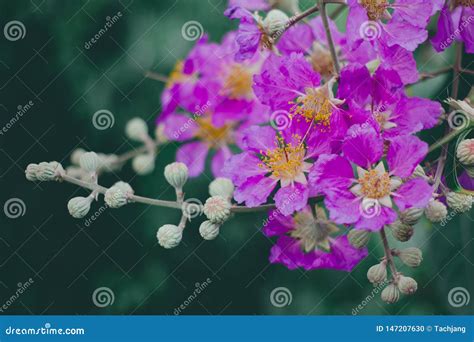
(332,48)
(155,76)
(388,255)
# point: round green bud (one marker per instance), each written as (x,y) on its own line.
(169,235)
(209,230)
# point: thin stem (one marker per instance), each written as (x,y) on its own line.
(155,76)
(457,70)
(430,75)
(338,11)
(388,255)
(446,139)
(298,17)
(332,48)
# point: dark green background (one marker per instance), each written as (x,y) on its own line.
(68,261)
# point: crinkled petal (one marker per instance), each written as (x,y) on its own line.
(255,190)
(219,159)
(376,219)
(404,154)
(194,156)
(242,166)
(415,193)
(291,198)
(363,146)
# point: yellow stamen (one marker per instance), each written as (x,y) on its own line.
(375,8)
(314,105)
(374,184)
(238,83)
(176,75)
(285,161)
(465,3)
(214,136)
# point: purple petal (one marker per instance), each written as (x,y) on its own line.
(242,166)
(277,224)
(194,156)
(363,146)
(375,221)
(330,172)
(343,207)
(255,190)
(442,39)
(404,154)
(259,139)
(179,127)
(217,164)
(415,193)
(291,198)
(404,34)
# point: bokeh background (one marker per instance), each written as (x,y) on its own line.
(67,260)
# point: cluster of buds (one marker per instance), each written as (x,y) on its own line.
(399,284)
(101,162)
(137,130)
(44,172)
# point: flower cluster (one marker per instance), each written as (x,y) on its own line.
(312,121)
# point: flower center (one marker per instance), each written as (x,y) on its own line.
(214,136)
(374,184)
(321,61)
(375,8)
(286,161)
(176,75)
(314,105)
(313,233)
(465,3)
(238,83)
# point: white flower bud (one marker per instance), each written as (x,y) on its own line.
(90,161)
(221,187)
(209,230)
(358,237)
(401,231)
(49,171)
(465,152)
(115,197)
(143,164)
(136,129)
(31,172)
(459,202)
(411,256)
(407,285)
(411,216)
(419,172)
(436,211)
(275,22)
(176,174)
(377,273)
(76,156)
(390,294)
(125,187)
(217,209)
(79,206)
(169,235)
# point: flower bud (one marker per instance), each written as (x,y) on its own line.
(76,156)
(109,162)
(217,209)
(459,202)
(401,231)
(115,197)
(275,22)
(160,135)
(221,187)
(411,216)
(377,273)
(407,285)
(470,170)
(176,174)
(79,206)
(390,294)
(31,172)
(465,152)
(125,187)
(209,230)
(49,171)
(436,211)
(90,161)
(136,129)
(418,173)
(143,164)
(411,256)
(169,235)
(358,238)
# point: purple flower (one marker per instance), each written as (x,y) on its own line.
(455,25)
(270,158)
(305,241)
(379,100)
(366,197)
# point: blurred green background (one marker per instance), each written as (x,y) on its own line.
(68,261)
